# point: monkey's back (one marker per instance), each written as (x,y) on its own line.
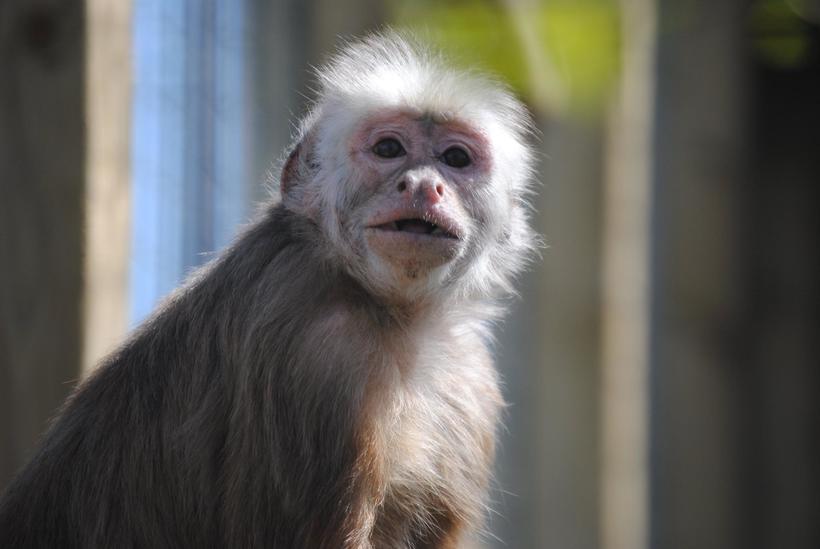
(137,457)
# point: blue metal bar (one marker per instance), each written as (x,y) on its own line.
(189,140)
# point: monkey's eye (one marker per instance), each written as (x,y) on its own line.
(456,157)
(388,148)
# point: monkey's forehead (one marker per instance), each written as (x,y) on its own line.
(399,117)
(392,70)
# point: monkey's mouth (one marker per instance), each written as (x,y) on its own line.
(416,226)
(415,242)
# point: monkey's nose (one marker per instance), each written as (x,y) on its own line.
(430,191)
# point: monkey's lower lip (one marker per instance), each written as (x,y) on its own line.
(413,244)
(412,248)
(415,226)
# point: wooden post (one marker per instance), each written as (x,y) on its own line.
(107,232)
(627,287)
(697,305)
(42,171)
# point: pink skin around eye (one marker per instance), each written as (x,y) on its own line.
(413,130)
(458,134)
(384,125)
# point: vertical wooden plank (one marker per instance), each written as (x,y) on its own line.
(778,407)
(107,233)
(697,376)
(42,170)
(559,390)
(626,288)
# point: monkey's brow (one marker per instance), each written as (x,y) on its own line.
(435,117)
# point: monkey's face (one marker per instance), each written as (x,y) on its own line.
(416,175)
(413,202)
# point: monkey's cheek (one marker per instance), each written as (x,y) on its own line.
(412,255)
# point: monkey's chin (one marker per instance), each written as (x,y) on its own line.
(411,258)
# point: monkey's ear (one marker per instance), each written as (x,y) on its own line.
(299,165)
(290,171)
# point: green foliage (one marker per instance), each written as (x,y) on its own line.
(779,35)
(573,56)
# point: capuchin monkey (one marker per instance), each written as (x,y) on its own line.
(327,382)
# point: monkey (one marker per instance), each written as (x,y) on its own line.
(327,381)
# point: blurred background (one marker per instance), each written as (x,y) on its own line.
(663,363)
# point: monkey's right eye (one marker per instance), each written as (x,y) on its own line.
(388,148)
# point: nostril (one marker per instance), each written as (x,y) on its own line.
(402,186)
(440,189)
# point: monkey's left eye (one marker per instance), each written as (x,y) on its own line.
(456,157)
(388,148)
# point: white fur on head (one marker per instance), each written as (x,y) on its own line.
(390,70)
